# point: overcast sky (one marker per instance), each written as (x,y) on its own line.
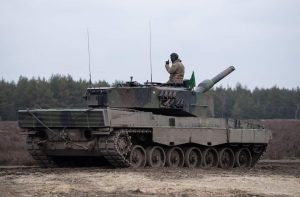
(261,38)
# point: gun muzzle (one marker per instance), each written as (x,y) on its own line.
(209,83)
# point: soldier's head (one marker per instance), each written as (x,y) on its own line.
(174,57)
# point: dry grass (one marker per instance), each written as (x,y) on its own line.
(286,139)
(12,145)
(284,145)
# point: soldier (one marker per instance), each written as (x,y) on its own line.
(176,70)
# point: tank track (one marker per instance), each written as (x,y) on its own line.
(109,147)
(35,149)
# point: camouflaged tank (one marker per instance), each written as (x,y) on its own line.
(138,125)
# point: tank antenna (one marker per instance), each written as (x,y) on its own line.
(150,50)
(88,39)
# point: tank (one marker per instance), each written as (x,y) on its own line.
(137,125)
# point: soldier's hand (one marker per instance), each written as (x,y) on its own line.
(167,62)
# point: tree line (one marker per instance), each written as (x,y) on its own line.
(260,103)
(60,91)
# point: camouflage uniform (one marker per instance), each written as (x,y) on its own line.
(176,72)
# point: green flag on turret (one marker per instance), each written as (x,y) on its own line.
(192,81)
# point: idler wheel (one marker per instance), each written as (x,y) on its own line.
(175,157)
(226,158)
(137,157)
(193,157)
(210,158)
(258,149)
(156,156)
(243,158)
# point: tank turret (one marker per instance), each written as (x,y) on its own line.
(165,99)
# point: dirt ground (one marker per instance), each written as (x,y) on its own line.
(268,178)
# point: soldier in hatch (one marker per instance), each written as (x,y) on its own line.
(176,70)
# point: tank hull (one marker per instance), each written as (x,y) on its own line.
(125,138)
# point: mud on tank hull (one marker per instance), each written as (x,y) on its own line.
(125,138)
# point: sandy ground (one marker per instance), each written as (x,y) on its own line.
(269,178)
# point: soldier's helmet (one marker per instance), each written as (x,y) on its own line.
(174,55)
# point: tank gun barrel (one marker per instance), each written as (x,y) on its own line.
(209,83)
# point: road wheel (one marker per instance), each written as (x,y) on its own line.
(226,158)
(193,157)
(243,158)
(137,157)
(175,157)
(156,156)
(210,158)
